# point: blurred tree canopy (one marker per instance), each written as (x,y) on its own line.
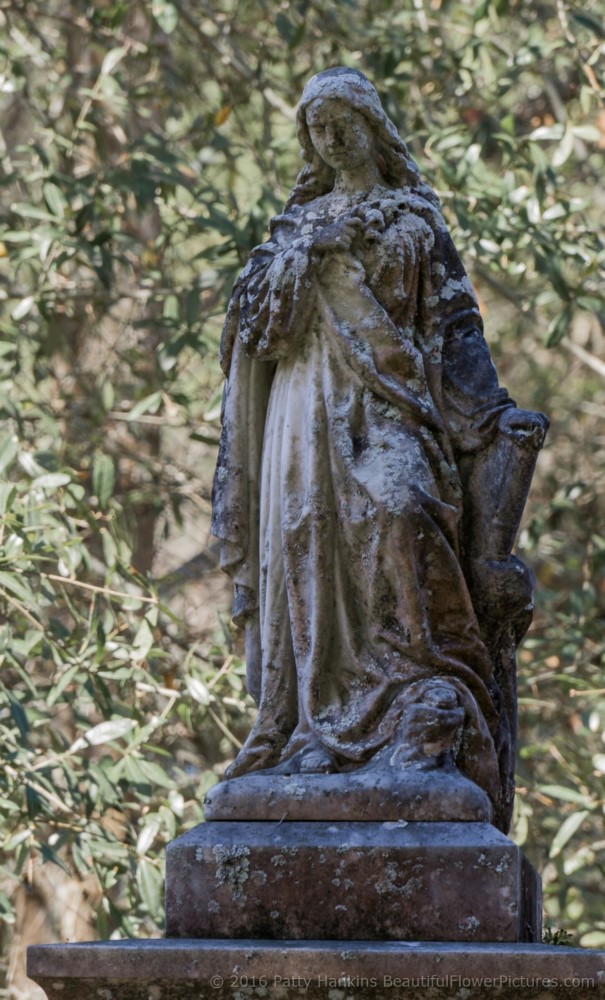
(143,148)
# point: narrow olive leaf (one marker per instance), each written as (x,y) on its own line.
(16,585)
(594,939)
(17,838)
(547,132)
(30,212)
(566,831)
(566,795)
(155,774)
(149,881)
(172,308)
(133,772)
(147,836)
(66,678)
(51,480)
(214,406)
(19,716)
(23,307)
(165,14)
(54,198)
(192,306)
(590,133)
(564,149)
(143,641)
(103,478)
(559,326)
(146,405)
(590,21)
(198,690)
(598,762)
(105,732)
(9,446)
(111,60)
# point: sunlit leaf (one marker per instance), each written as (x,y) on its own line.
(22,308)
(147,835)
(105,732)
(51,480)
(55,199)
(103,478)
(149,881)
(111,60)
(165,14)
(149,404)
(568,828)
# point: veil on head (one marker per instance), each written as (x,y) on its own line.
(394,161)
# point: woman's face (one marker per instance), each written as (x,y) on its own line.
(341,135)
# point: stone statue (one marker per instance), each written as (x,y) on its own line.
(370,482)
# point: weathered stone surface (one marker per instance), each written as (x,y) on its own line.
(350,881)
(371,477)
(411,794)
(313,970)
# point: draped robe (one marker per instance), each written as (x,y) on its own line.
(355,381)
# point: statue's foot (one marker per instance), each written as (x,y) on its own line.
(313,759)
(317,761)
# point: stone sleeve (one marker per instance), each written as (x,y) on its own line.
(276,297)
(472,398)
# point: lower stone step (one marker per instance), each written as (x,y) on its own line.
(314,970)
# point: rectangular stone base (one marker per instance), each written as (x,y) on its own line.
(315,970)
(351,881)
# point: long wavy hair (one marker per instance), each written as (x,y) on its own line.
(390,151)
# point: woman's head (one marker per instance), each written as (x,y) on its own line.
(350,89)
(340,135)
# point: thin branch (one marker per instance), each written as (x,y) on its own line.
(98,590)
(221,725)
(596,364)
(40,790)
(20,607)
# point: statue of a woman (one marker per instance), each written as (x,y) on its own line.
(359,389)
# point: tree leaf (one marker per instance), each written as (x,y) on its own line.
(103,478)
(105,732)
(51,480)
(165,14)
(111,60)
(149,881)
(143,641)
(566,831)
(148,404)
(147,835)
(9,448)
(16,585)
(23,307)
(547,133)
(55,199)
(565,794)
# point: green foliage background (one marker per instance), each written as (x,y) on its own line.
(144,147)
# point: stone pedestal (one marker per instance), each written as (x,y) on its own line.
(393,881)
(335,911)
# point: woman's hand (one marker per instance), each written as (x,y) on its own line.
(525,426)
(338,236)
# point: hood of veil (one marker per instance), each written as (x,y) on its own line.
(352,87)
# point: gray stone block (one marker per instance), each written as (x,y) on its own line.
(350,881)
